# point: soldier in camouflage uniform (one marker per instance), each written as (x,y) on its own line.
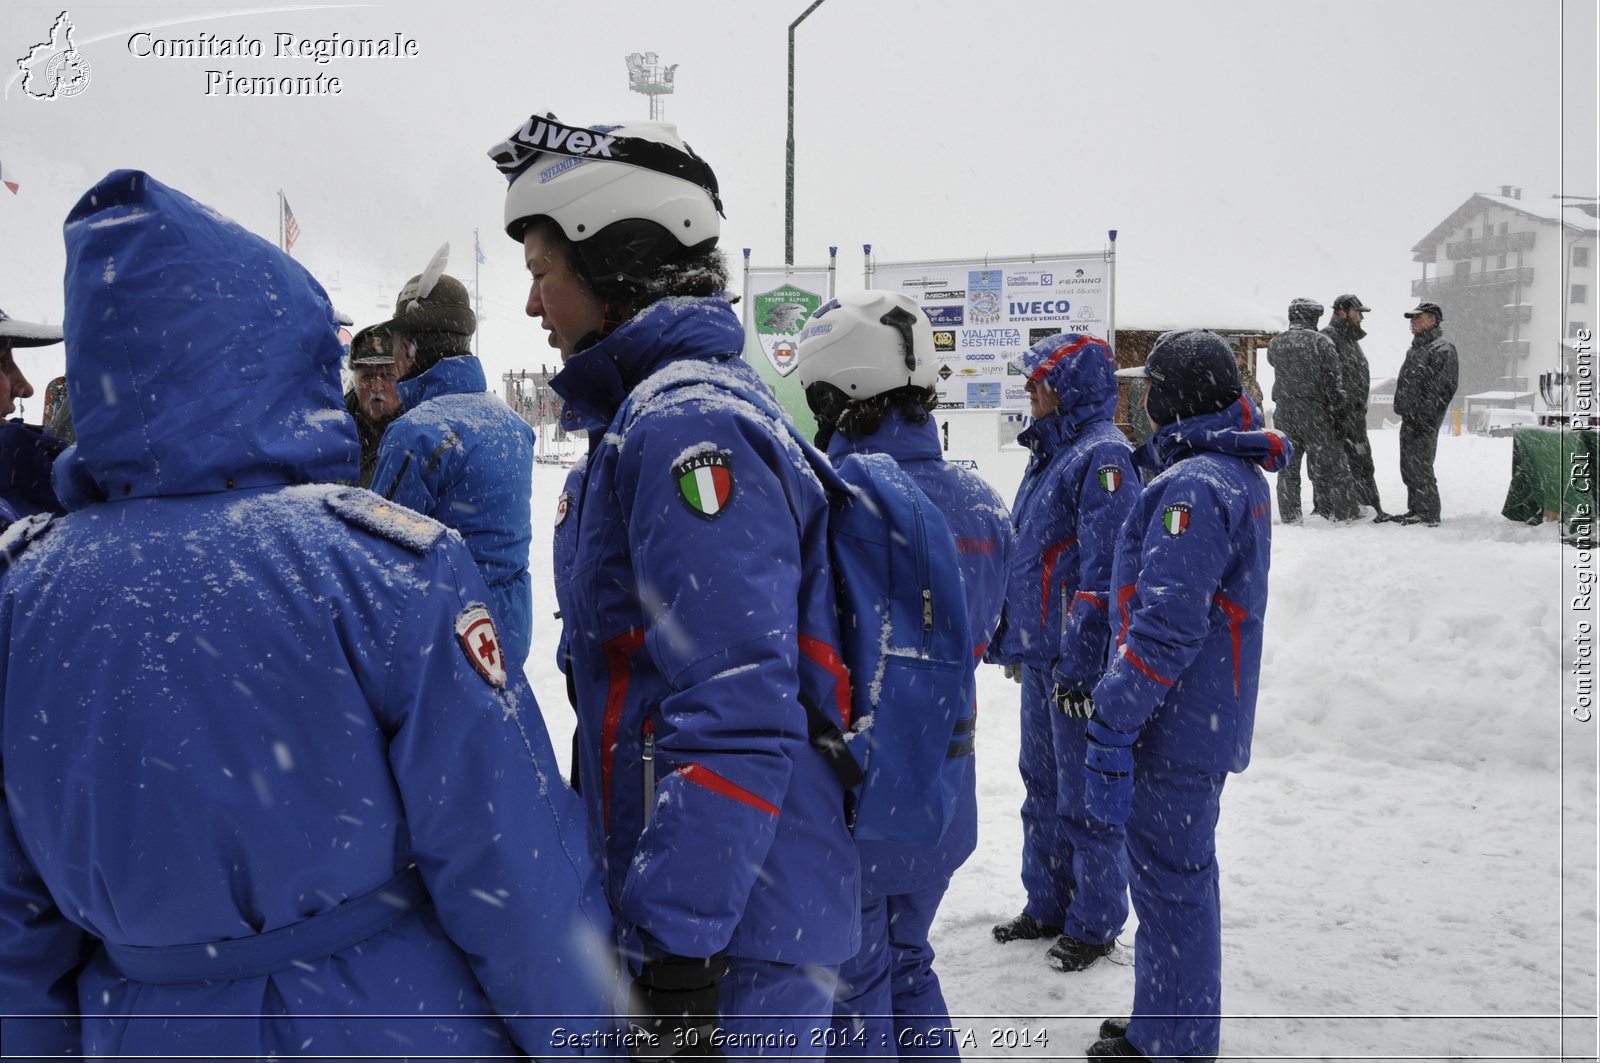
(1308,395)
(1344,329)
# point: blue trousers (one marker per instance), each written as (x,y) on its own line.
(889,1000)
(1074,867)
(776,1010)
(1177,972)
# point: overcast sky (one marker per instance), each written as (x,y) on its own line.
(1247,151)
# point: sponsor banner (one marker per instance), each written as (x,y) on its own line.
(984,314)
(779,305)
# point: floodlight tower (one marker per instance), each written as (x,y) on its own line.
(647,75)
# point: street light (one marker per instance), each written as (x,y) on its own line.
(788,202)
(646,75)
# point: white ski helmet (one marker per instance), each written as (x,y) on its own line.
(867,343)
(630,197)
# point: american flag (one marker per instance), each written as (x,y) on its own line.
(291,228)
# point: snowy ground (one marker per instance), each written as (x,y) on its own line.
(1392,861)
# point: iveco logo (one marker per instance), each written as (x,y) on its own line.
(1041,306)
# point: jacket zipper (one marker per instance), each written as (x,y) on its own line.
(648,761)
(923,579)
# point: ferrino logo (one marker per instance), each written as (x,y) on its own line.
(563,140)
(1041,306)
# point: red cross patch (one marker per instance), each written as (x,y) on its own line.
(481,643)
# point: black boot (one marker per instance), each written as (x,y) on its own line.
(1070,954)
(1114,1028)
(1113,1048)
(1024,928)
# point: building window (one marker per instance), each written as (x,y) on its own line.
(1505,227)
(1580,293)
(1500,263)
(1469,234)
(1575,327)
(1580,257)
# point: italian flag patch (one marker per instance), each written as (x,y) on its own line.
(1176,518)
(1110,478)
(705,482)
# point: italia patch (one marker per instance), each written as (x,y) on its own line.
(1176,518)
(1110,478)
(705,482)
(563,507)
(481,643)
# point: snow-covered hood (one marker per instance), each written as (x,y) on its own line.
(1236,431)
(596,380)
(200,358)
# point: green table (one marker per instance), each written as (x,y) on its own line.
(1555,471)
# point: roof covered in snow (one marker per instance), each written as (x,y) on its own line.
(1576,213)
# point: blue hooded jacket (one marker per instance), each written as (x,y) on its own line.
(1191,590)
(698,610)
(982,529)
(1078,488)
(26,457)
(237,700)
(459,455)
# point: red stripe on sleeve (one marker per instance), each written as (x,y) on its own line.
(702,776)
(826,656)
(1133,658)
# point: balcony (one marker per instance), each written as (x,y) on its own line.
(1436,285)
(1503,244)
(1522,312)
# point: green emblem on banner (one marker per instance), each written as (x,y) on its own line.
(779,315)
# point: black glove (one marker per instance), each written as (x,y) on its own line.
(1079,704)
(675,1005)
(1014,673)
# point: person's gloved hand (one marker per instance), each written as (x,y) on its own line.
(675,1006)
(1079,704)
(1014,673)
(1108,773)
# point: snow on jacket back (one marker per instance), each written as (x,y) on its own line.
(699,608)
(1306,371)
(459,455)
(234,697)
(1190,590)
(1078,488)
(982,530)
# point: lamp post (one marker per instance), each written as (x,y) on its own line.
(646,75)
(788,202)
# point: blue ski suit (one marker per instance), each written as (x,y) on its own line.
(26,456)
(459,455)
(258,801)
(1190,584)
(1078,488)
(698,610)
(891,994)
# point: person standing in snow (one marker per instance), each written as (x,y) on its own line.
(1175,711)
(1350,423)
(1079,486)
(26,453)
(1309,402)
(868,367)
(458,453)
(372,400)
(279,785)
(699,612)
(1422,395)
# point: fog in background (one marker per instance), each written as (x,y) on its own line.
(1247,152)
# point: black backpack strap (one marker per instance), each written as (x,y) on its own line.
(827,739)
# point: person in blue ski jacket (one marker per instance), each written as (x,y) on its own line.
(699,608)
(868,367)
(26,452)
(1175,711)
(267,793)
(458,453)
(1078,488)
